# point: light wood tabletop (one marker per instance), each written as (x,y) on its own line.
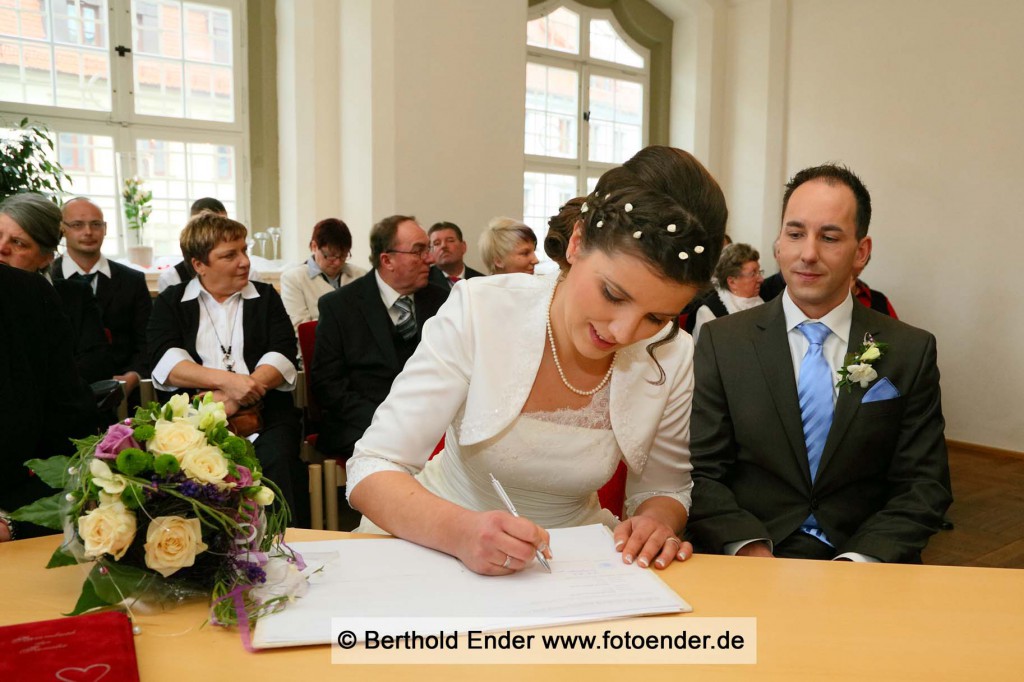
(815,620)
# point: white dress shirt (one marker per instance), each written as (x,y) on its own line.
(732,303)
(69,268)
(389,296)
(220,323)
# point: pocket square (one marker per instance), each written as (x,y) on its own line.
(882,390)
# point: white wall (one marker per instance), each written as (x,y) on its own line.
(923,99)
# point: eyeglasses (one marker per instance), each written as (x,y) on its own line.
(755,273)
(81,225)
(341,258)
(421,251)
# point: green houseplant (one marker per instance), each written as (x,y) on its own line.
(24,162)
(137,209)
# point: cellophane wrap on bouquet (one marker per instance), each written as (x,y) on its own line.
(168,506)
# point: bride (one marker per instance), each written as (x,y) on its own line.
(549,383)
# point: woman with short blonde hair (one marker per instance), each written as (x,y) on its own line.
(508,246)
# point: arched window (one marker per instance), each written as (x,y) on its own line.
(587,104)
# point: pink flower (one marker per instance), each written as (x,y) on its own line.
(244,478)
(118,438)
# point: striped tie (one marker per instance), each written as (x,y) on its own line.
(814,390)
(406,319)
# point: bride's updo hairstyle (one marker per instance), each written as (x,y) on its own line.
(663,207)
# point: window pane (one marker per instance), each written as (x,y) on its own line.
(605,43)
(543,195)
(559,30)
(55,52)
(184,60)
(552,108)
(616,119)
(178,173)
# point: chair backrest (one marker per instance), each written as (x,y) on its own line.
(307,344)
(613,493)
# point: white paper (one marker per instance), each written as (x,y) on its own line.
(370,579)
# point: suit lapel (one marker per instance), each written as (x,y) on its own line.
(377,319)
(773,354)
(848,402)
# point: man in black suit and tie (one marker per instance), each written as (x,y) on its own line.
(799,450)
(449,249)
(369,328)
(120,291)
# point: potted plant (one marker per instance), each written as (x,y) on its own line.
(24,166)
(136,213)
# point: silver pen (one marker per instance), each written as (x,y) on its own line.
(512,510)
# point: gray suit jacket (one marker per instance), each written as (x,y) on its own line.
(883,482)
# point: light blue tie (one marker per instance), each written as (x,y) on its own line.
(814,390)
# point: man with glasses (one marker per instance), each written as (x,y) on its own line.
(369,328)
(120,291)
(327,269)
(449,249)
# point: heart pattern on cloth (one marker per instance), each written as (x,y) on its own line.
(92,673)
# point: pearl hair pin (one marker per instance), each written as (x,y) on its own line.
(638,234)
(584,208)
(683,255)
(558,364)
(698,249)
(628,208)
(671,228)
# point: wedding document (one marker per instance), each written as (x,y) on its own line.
(364,580)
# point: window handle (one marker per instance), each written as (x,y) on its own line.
(586,115)
(121,50)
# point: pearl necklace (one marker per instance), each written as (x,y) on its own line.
(558,365)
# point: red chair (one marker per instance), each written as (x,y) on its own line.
(307,344)
(613,493)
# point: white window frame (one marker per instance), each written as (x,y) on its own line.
(126,127)
(581,167)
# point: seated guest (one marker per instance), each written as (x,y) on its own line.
(508,246)
(327,269)
(449,249)
(43,401)
(220,332)
(30,229)
(550,382)
(872,298)
(119,290)
(182,272)
(560,228)
(738,278)
(799,452)
(368,329)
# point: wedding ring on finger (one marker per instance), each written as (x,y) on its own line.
(508,562)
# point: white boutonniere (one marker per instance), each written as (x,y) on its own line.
(857,367)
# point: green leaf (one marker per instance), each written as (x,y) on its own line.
(119,582)
(53,471)
(43,512)
(61,557)
(88,600)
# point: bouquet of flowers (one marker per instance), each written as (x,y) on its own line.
(170,505)
(136,205)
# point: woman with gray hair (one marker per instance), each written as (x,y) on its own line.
(29,235)
(738,278)
(508,246)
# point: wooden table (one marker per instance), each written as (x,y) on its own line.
(815,620)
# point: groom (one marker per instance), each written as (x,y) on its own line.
(785,463)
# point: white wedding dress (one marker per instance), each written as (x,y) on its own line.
(551,464)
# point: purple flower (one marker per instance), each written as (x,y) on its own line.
(118,438)
(244,478)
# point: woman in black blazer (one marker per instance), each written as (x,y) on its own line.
(220,332)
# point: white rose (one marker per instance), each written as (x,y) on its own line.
(283,580)
(862,374)
(107,529)
(872,353)
(264,496)
(172,543)
(175,438)
(104,477)
(205,464)
(179,405)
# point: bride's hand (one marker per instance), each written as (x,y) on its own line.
(497,543)
(649,541)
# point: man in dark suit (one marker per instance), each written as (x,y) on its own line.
(43,401)
(120,291)
(449,250)
(369,328)
(792,456)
